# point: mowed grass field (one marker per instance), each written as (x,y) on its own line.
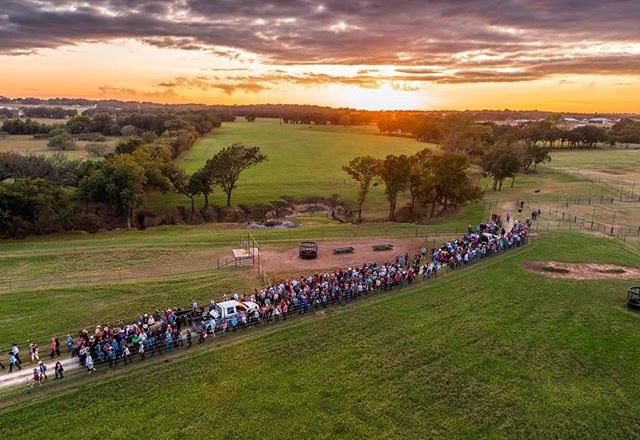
(304,161)
(51,261)
(488,351)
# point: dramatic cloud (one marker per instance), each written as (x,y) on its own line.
(428,40)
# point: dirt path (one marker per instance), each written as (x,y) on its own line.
(287,260)
(19,377)
(589,271)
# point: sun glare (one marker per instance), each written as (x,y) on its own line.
(386,97)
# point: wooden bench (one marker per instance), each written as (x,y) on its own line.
(382,247)
(344,250)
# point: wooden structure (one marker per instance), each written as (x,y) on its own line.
(308,250)
(633,298)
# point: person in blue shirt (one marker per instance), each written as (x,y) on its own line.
(13,361)
(70,344)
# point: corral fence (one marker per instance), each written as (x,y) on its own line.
(567,220)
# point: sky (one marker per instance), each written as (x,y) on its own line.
(563,55)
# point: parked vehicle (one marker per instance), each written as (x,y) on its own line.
(230,309)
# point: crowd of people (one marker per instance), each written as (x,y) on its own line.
(161,331)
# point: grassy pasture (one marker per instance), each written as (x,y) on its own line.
(26,144)
(147,251)
(488,351)
(304,161)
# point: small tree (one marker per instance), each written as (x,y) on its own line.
(120,184)
(128,131)
(202,184)
(394,172)
(225,166)
(362,170)
(417,172)
(186,185)
(61,140)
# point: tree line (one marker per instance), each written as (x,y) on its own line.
(178,131)
(458,130)
(40,194)
(438,180)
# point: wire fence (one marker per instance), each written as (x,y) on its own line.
(570,221)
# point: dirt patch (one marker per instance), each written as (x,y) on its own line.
(591,271)
(286,260)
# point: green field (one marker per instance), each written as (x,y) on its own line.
(304,161)
(26,144)
(488,351)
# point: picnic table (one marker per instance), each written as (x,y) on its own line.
(344,250)
(382,247)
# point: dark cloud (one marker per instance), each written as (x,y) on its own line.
(477,40)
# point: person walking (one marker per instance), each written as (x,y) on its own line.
(13,362)
(34,351)
(88,362)
(141,350)
(16,353)
(37,377)
(55,346)
(113,362)
(126,354)
(59,370)
(43,371)
(70,344)
(2,365)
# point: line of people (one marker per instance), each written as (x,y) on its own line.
(162,331)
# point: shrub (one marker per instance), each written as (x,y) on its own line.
(97,150)
(92,137)
(61,140)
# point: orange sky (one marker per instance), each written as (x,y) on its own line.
(311,52)
(133,71)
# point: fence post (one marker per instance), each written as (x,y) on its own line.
(120,274)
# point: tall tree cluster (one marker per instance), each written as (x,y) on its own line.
(435,180)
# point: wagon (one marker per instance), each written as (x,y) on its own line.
(382,247)
(308,250)
(344,250)
(633,298)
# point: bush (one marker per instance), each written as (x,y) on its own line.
(61,141)
(92,137)
(97,150)
(128,131)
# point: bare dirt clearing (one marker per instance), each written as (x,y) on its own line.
(287,259)
(590,271)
